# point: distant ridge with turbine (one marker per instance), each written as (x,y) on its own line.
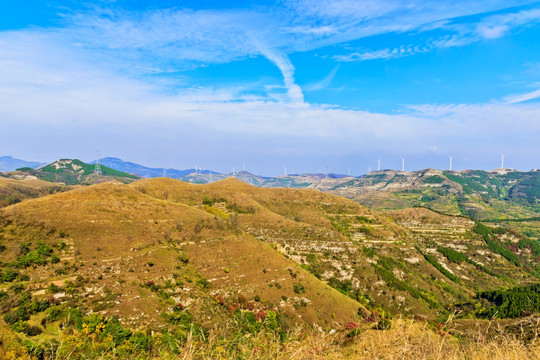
(497,194)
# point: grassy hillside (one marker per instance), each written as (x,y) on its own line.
(13,191)
(159,265)
(112,250)
(478,194)
(502,194)
(376,260)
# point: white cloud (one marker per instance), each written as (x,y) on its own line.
(461,34)
(180,39)
(381,54)
(287,70)
(514,99)
(492,32)
(92,75)
(98,99)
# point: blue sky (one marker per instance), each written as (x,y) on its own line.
(310,85)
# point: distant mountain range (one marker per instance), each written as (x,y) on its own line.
(147,172)
(498,194)
(8,163)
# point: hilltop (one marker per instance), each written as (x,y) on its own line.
(71,172)
(500,194)
(114,250)
(340,241)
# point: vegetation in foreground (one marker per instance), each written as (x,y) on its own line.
(406,339)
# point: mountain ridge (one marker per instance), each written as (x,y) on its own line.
(71,172)
(144,171)
(9,163)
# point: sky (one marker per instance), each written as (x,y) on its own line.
(311,85)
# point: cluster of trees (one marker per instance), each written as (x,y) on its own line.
(458,257)
(493,245)
(384,268)
(430,259)
(534,246)
(512,303)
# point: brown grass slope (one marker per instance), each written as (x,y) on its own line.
(366,255)
(370,257)
(13,191)
(136,251)
(120,239)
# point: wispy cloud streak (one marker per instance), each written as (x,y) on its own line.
(514,99)
(323,83)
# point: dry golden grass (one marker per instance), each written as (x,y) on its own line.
(115,230)
(13,190)
(406,340)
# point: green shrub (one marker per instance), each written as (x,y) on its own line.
(495,246)
(8,275)
(299,288)
(53,289)
(452,255)
(43,249)
(203,283)
(430,259)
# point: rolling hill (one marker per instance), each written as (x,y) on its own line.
(501,194)
(110,249)
(341,242)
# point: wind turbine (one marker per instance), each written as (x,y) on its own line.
(402,163)
(502,161)
(451,157)
(379,165)
(285,171)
